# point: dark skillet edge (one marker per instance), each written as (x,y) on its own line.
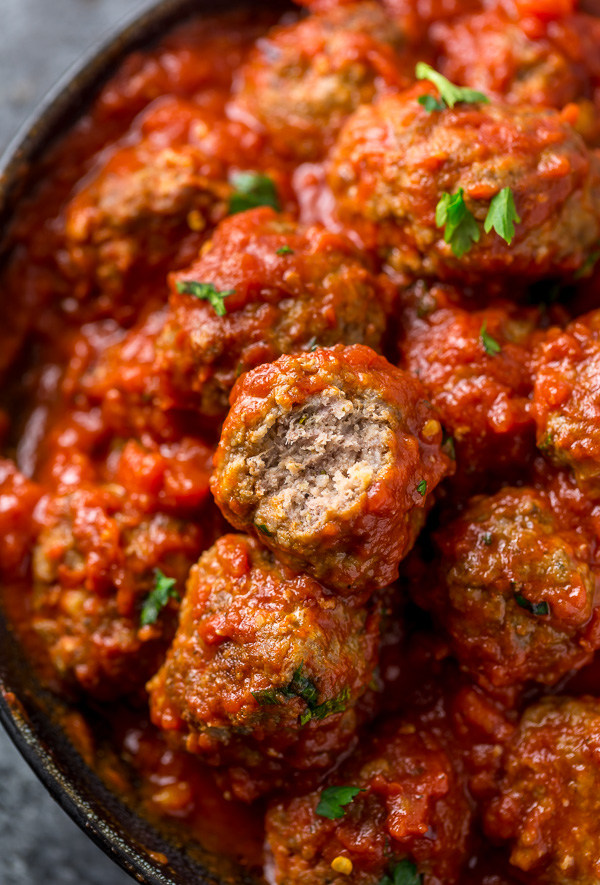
(123,835)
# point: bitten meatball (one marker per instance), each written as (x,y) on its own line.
(94,566)
(304,79)
(289,289)
(166,183)
(412,811)
(566,400)
(515,590)
(548,65)
(475,368)
(394,161)
(266,666)
(549,802)
(331,458)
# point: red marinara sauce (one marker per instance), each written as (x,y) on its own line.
(247,201)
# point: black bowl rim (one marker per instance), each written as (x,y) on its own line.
(55,113)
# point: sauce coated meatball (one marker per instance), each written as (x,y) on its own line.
(163,186)
(331,458)
(475,368)
(525,62)
(566,400)
(409,791)
(94,564)
(266,666)
(304,79)
(289,288)
(515,590)
(394,161)
(549,802)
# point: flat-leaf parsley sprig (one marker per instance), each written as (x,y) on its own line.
(460,225)
(449,93)
(206,292)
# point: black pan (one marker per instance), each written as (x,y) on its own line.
(29,713)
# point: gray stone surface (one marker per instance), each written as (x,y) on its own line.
(39,39)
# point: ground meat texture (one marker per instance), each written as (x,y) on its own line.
(475,368)
(566,401)
(291,287)
(331,458)
(165,183)
(548,805)
(264,660)
(304,79)
(525,62)
(394,161)
(412,809)
(515,590)
(93,567)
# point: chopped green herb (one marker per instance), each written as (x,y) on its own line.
(251,189)
(502,215)
(588,265)
(546,442)
(268,697)
(422,487)
(206,292)
(536,608)
(449,93)
(285,250)
(158,598)
(448,446)
(301,686)
(262,528)
(312,345)
(490,345)
(403,873)
(333,705)
(333,799)
(487,539)
(303,419)
(431,104)
(460,226)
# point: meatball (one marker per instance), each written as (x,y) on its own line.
(304,79)
(330,458)
(267,666)
(515,590)
(289,288)
(475,368)
(411,811)
(548,805)
(165,184)
(566,400)
(549,65)
(94,565)
(394,162)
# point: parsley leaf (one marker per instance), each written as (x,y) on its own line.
(502,215)
(404,873)
(312,344)
(157,599)
(536,608)
(588,266)
(285,250)
(301,686)
(487,539)
(265,531)
(449,93)
(333,705)
(251,189)
(333,799)
(431,104)
(448,446)
(460,226)
(490,345)
(267,697)
(422,487)
(206,292)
